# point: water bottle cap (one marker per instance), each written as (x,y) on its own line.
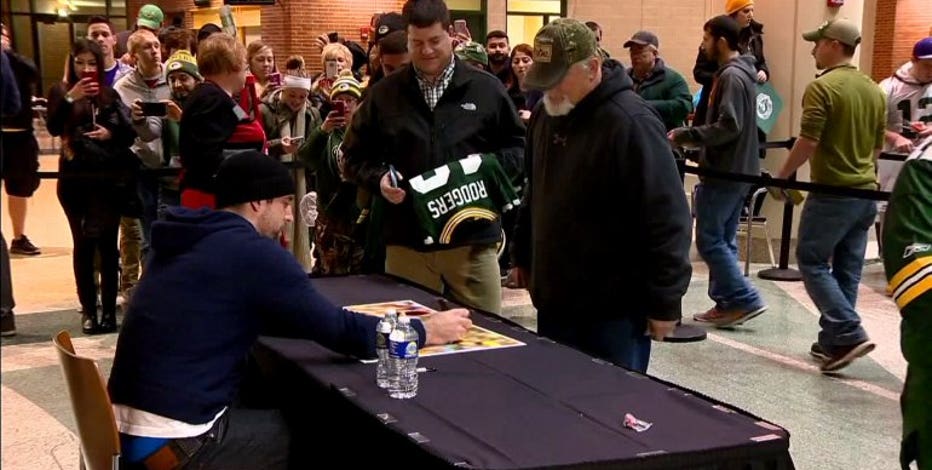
(404,319)
(391,313)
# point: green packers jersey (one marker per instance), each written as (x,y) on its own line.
(475,187)
(907,234)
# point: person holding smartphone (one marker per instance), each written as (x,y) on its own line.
(289,118)
(341,225)
(261,60)
(95,162)
(147,91)
(182,77)
(334,59)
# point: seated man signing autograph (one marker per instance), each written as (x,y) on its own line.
(216,280)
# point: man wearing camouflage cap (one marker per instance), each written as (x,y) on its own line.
(596,148)
(841,135)
(474,54)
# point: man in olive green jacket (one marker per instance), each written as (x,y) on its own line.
(662,87)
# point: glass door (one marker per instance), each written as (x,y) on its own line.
(54,39)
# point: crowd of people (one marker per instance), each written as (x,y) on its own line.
(416,151)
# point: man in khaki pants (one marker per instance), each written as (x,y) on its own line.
(422,121)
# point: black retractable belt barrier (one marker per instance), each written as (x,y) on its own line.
(783,272)
(142,171)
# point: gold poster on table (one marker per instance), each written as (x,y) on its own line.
(476,339)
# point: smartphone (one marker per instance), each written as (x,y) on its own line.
(158,109)
(92,74)
(339,107)
(330,69)
(459,27)
(275,79)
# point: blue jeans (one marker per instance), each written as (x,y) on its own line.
(155,199)
(147,186)
(718,209)
(832,238)
(620,341)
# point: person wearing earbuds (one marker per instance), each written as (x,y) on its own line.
(595,146)
(95,162)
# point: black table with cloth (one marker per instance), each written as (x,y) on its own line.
(543,405)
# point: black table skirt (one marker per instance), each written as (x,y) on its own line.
(542,405)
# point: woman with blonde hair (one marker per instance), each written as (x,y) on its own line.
(261,61)
(335,58)
(289,118)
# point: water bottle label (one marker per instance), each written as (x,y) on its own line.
(381,341)
(404,349)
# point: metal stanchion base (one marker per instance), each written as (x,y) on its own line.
(780,274)
(686,334)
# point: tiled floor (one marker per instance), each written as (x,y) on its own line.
(847,421)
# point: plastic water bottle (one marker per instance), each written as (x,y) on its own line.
(383,330)
(402,345)
(227,23)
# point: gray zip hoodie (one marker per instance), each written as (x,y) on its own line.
(133,87)
(729,135)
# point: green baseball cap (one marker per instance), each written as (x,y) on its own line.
(557,47)
(150,17)
(472,52)
(840,30)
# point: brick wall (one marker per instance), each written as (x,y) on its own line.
(291,26)
(169,7)
(899,24)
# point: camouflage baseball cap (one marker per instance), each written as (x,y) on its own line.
(472,52)
(840,30)
(558,46)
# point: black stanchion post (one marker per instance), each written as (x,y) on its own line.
(783,272)
(684,333)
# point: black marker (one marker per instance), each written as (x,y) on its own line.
(393,174)
(444,305)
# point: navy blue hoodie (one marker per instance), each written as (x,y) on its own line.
(212,286)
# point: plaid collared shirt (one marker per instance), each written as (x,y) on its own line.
(434,90)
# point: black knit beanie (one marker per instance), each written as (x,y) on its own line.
(251,176)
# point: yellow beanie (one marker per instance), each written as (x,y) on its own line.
(732,6)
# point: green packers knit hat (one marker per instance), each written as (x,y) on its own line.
(346,83)
(183,61)
(557,47)
(840,30)
(472,52)
(150,17)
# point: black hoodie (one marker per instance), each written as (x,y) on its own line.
(604,228)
